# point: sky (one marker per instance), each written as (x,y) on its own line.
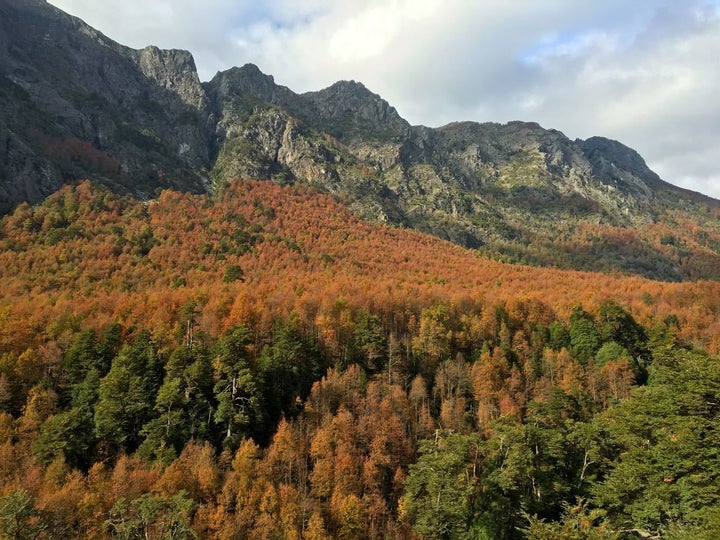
(644,72)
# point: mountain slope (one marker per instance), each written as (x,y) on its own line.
(76,105)
(100,257)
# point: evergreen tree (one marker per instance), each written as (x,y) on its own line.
(127,393)
(240,411)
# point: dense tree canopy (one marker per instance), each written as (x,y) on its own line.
(343,382)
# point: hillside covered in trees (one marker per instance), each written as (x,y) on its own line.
(269,366)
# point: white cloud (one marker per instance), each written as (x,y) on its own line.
(643,72)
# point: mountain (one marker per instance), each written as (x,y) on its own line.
(74,104)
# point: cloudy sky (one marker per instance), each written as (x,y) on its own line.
(644,72)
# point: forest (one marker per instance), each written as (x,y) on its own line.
(261,364)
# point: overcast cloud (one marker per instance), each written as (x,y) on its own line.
(645,72)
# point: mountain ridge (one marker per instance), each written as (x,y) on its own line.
(78,105)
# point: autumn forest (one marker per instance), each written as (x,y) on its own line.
(261,364)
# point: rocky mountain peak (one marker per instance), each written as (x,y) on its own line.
(247,79)
(607,154)
(173,70)
(350,111)
(348,89)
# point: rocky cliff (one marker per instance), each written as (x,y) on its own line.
(74,103)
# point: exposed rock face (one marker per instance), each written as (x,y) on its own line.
(173,71)
(349,111)
(75,104)
(248,80)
